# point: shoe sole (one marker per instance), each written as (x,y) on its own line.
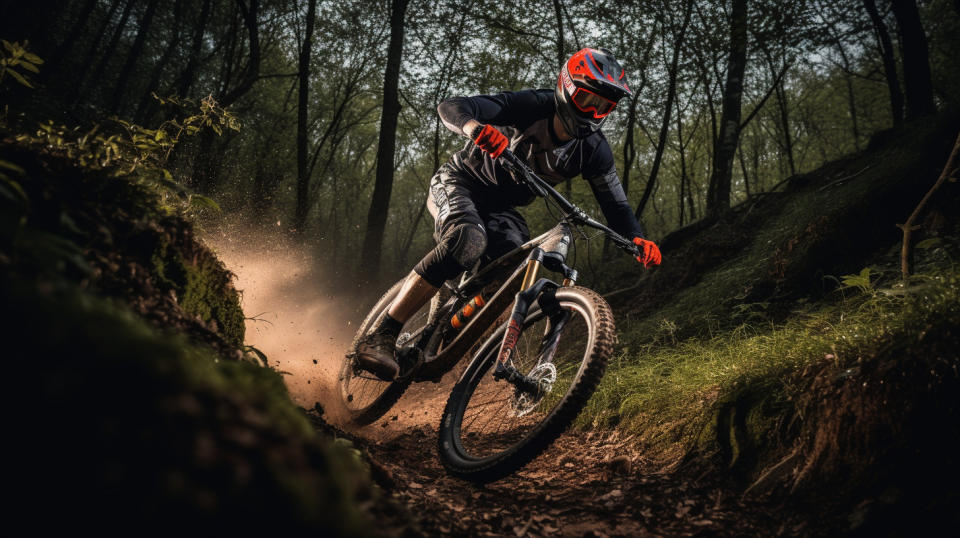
(382,370)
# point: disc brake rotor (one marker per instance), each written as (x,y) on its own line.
(545,374)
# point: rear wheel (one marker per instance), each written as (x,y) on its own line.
(365,397)
(491,427)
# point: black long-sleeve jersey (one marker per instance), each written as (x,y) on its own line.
(526,118)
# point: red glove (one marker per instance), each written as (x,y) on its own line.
(649,252)
(491,140)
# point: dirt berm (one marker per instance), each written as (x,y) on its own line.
(134,408)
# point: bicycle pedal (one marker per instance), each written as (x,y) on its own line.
(409,358)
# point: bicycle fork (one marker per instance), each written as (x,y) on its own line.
(544,292)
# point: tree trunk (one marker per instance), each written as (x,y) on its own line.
(889,63)
(107,54)
(251,71)
(852,103)
(206,163)
(667,110)
(755,166)
(743,170)
(785,125)
(690,201)
(916,59)
(146,107)
(629,146)
(851,100)
(90,55)
(718,195)
(683,163)
(64,48)
(561,56)
(121,90)
(386,146)
(190,72)
(303,176)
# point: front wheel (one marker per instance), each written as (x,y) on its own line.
(491,427)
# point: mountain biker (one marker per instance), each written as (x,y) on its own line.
(472,197)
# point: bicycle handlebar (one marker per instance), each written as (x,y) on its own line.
(573,213)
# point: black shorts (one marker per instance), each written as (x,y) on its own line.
(457,199)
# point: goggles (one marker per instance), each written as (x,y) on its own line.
(590,103)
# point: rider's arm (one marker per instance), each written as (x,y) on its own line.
(460,114)
(601,173)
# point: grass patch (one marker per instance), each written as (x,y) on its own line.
(675,396)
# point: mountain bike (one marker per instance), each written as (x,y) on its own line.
(541,349)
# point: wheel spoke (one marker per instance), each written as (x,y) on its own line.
(365,396)
(495,416)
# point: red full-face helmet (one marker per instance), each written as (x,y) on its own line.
(590,84)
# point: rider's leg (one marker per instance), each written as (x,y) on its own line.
(461,240)
(506,230)
(415,293)
(459,248)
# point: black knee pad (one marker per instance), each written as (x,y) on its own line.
(469,242)
(458,249)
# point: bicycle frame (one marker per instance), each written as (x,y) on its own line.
(546,250)
(521,287)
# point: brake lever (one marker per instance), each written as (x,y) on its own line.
(532,185)
(518,167)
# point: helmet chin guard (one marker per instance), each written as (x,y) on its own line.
(589,86)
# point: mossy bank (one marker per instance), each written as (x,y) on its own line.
(134,408)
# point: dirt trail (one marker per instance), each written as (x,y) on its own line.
(586,484)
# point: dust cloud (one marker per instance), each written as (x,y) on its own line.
(304,318)
(292,316)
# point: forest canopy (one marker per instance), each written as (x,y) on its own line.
(731,97)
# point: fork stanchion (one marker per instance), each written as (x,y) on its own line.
(533,268)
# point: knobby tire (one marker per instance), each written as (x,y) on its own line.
(459,462)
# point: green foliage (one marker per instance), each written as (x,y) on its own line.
(10,189)
(930,242)
(113,233)
(18,62)
(860,281)
(126,149)
(203,290)
(669,394)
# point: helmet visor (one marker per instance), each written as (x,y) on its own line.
(590,103)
